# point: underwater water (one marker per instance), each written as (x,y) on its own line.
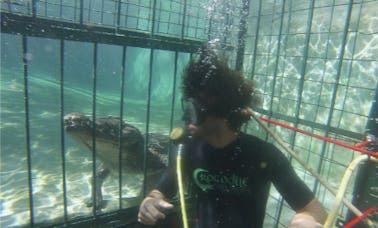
(45,129)
(93,76)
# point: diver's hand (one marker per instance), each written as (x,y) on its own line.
(303,220)
(153,208)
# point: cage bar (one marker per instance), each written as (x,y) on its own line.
(123,73)
(94,105)
(63,148)
(27,128)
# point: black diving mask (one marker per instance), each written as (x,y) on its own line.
(193,111)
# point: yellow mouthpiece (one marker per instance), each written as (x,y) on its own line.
(176,133)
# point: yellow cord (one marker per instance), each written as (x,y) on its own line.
(342,189)
(181,191)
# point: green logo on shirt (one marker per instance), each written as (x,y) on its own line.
(225,183)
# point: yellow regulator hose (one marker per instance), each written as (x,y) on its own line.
(181,186)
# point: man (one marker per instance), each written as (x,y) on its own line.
(231,170)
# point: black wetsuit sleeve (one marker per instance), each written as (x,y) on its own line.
(291,187)
(168,182)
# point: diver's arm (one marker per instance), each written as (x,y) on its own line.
(309,211)
(155,204)
(312,215)
(153,208)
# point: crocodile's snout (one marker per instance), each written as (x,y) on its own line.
(76,120)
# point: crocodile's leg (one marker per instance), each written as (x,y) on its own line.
(100,175)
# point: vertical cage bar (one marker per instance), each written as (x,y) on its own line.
(226,22)
(94,94)
(303,68)
(210,25)
(284,46)
(352,53)
(81,11)
(27,127)
(335,87)
(137,18)
(256,40)
(126,14)
(281,201)
(324,145)
(9,4)
(61,9)
(372,123)
(158,19)
(304,65)
(241,35)
(270,44)
(173,101)
(183,20)
(123,72)
(34,8)
(277,56)
(102,12)
(146,154)
(115,15)
(75,10)
(339,64)
(153,18)
(45,8)
(89,11)
(196,27)
(118,23)
(268,56)
(62,139)
(300,87)
(27,8)
(169,16)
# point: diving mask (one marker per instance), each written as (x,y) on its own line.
(193,111)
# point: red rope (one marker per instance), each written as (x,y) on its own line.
(362,144)
(359,218)
(343,144)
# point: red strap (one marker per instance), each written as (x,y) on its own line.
(363,143)
(359,218)
(327,139)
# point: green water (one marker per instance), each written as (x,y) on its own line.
(45,107)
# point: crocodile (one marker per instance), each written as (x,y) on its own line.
(114,147)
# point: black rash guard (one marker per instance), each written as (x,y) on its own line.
(232,183)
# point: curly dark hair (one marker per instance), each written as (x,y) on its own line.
(223,91)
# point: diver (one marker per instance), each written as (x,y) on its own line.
(232,171)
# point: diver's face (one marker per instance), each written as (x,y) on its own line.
(193,129)
(198,120)
(207,128)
